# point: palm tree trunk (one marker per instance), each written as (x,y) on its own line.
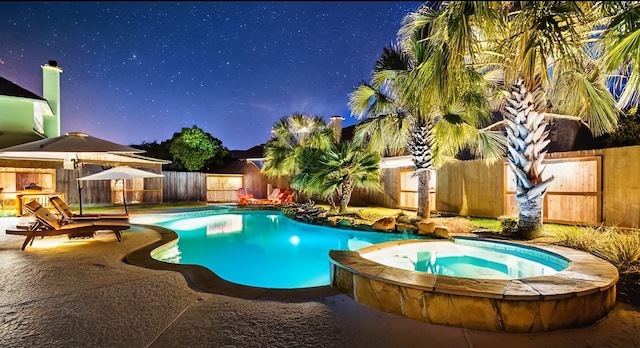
(424,210)
(420,148)
(347,189)
(530,219)
(527,139)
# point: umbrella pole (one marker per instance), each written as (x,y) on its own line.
(124,198)
(78,166)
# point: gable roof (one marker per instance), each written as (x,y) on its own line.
(9,88)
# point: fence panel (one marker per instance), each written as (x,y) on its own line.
(223,187)
(184,187)
(621,186)
(471,188)
(573,197)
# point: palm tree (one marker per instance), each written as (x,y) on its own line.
(620,44)
(289,136)
(541,53)
(335,172)
(429,101)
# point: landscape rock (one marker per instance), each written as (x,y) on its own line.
(385,224)
(441,231)
(405,219)
(344,223)
(426,227)
(406,227)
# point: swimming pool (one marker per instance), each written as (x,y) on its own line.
(259,248)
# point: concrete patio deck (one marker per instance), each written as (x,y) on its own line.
(81,294)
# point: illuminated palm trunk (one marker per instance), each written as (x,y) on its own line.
(527,140)
(347,190)
(420,148)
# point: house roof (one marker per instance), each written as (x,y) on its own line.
(236,167)
(254,152)
(9,88)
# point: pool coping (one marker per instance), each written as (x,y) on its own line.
(585,274)
(202,279)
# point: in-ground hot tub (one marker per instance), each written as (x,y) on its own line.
(508,286)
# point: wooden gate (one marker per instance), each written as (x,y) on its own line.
(574,196)
(223,187)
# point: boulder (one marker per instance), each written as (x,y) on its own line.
(426,227)
(405,227)
(384,224)
(344,223)
(441,231)
(363,227)
(405,219)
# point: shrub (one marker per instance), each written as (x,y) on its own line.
(622,249)
(509,224)
(582,238)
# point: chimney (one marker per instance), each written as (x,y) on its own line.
(337,126)
(51,92)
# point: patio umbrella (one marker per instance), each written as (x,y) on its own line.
(121,173)
(72,147)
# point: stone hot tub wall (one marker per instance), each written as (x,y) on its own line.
(577,296)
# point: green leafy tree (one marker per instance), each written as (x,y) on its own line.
(627,134)
(192,147)
(333,173)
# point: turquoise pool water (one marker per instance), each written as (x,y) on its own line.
(471,258)
(259,248)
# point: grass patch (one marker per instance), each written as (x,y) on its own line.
(485,224)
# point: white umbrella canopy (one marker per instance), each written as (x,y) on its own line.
(121,173)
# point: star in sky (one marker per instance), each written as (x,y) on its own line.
(138,72)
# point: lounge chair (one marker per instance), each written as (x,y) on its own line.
(283,197)
(48,224)
(245,198)
(273,197)
(66,213)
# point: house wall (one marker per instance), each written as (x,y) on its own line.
(17,121)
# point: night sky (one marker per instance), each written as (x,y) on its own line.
(141,71)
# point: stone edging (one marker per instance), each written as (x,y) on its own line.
(579,295)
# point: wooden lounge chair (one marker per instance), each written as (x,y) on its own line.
(48,224)
(66,213)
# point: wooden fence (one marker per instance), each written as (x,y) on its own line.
(148,190)
(591,187)
(184,187)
